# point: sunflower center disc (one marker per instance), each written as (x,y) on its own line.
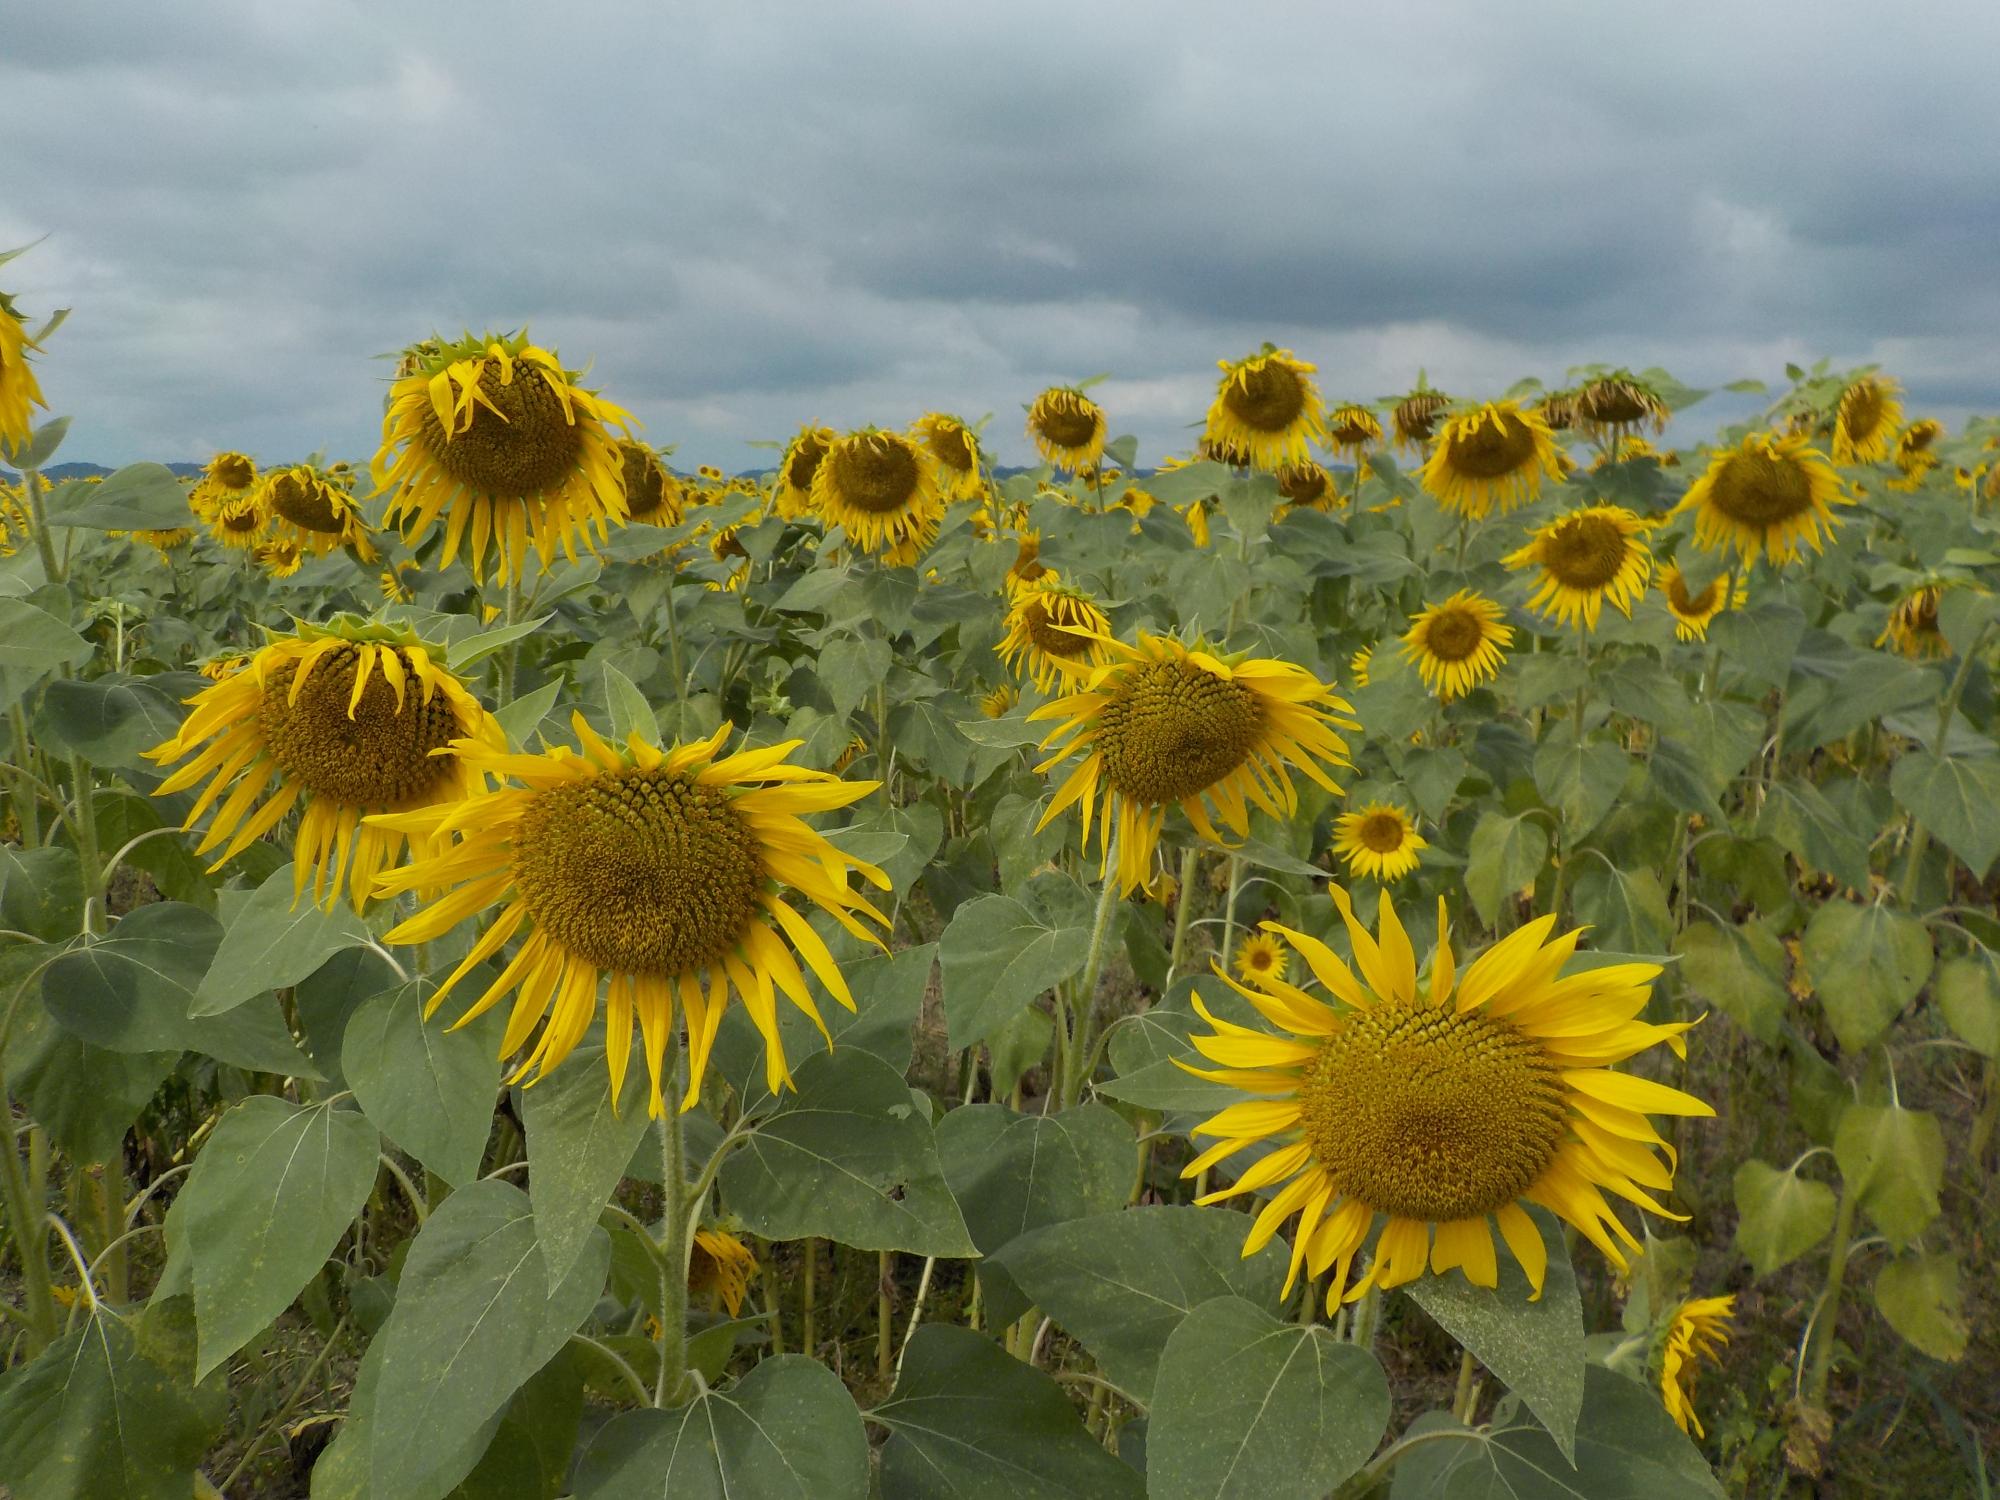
(1585,552)
(307,504)
(1049,637)
(1497,447)
(639,871)
(1428,1114)
(1690,604)
(1268,398)
(1381,832)
(1172,731)
(645,481)
(1303,486)
(1066,426)
(1757,489)
(1863,413)
(232,473)
(804,463)
(1454,635)
(525,448)
(244,518)
(876,475)
(379,758)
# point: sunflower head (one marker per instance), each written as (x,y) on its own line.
(338,721)
(1379,841)
(996,704)
(1913,448)
(1584,558)
(1441,1103)
(1307,486)
(1458,644)
(1261,960)
(239,521)
(803,455)
(1693,609)
(1865,422)
(1267,407)
(1415,416)
(953,451)
(1695,1335)
(720,1267)
(1358,665)
(313,510)
(1068,427)
(1027,565)
(1353,429)
(20,393)
(228,477)
(881,489)
(1052,629)
(1771,495)
(1557,409)
(1619,402)
(1913,624)
(280,558)
(1497,454)
(660,877)
(653,496)
(493,436)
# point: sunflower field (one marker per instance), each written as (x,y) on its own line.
(1429,947)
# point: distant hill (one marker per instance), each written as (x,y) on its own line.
(57,473)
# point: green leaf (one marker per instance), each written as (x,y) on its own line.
(1580,781)
(475,1317)
(1626,910)
(997,957)
(138,497)
(1798,815)
(1725,966)
(967,1421)
(91,1418)
(1866,963)
(475,648)
(273,942)
(529,1455)
(579,1140)
(1919,1295)
(34,643)
(847,1157)
(1627,1448)
(429,1089)
(1023,1043)
(1968,994)
(1013,1173)
(1120,1283)
(1682,776)
(41,892)
(1779,1215)
(787,1429)
(850,670)
(1759,640)
(525,714)
(40,447)
(1248,1406)
(1957,797)
(1534,1348)
(1146,1050)
(630,712)
(1894,1158)
(109,720)
(274,1189)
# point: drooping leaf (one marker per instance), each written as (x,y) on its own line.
(1894,1158)
(1920,1296)
(429,1089)
(1867,963)
(1724,965)
(1968,996)
(1505,854)
(1580,780)
(998,956)
(1957,797)
(34,643)
(1779,1214)
(108,720)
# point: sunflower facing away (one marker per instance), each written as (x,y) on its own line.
(1458,644)
(1913,624)
(1441,1106)
(1497,454)
(339,720)
(665,871)
(1379,841)
(20,393)
(314,510)
(1415,416)
(1162,724)
(803,455)
(1913,448)
(1050,626)
(1864,425)
(653,495)
(1769,496)
(493,436)
(1616,403)
(953,449)
(1068,427)
(720,1267)
(1558,410)
(1353,430)
(1261,960)
(1586,557)
(1694,610)
(1696,1334)
(1267,408)
(882,491)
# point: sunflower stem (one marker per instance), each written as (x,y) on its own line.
(27,803)
(38,513)
(510,660)
(1920,835)
(673,1242)
(1827,1315)
(1183,906)
(1461,1401)
(674,644)
(808,1326)
(885,1312)
(26,1222)
(1229,911)
(1085,1010)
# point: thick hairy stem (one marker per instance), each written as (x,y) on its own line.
(1825,1319)
(1086,990)
(673,1243)
(1183,908)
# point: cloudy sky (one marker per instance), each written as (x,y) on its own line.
(749,215)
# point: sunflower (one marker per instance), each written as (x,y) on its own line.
(1586,557)
(1496,454)
(996,704)
(1864,426)
(493,435)
(665,870)
(1913,448)
(1380,841)
(1458,644)
(1307,486)
(1163,724)
(20,393)
(227,478)
(796,469)
(1557,409)
(880,489)
(342,719)
(720,1267)
(1769,495)
(1231,455)
(241,522)
(1068,427)
(1697,1331)
(1617,403)
(1353,430)
(166,541)
(1027,565)
(1261,960)
(1358,665)
(1416,415)
(397,582)
(313,509)
(1267,408)
(953,450)
(280,558)
(1441,1108)
(1693,612)
(1913,624)
(1049,626)
(218,667)
(653,494)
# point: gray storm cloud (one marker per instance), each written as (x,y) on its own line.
(751,216)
